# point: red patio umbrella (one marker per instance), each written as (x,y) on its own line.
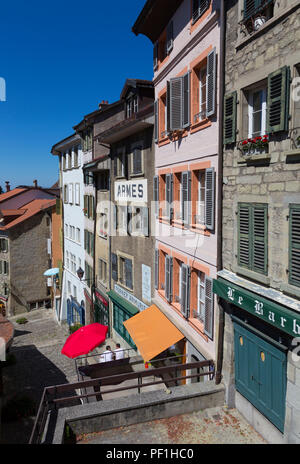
(84,340)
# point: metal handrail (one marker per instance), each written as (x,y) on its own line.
(52,395)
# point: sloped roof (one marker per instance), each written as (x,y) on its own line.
(29,210)
(12,193)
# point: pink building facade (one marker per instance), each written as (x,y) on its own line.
(186,40)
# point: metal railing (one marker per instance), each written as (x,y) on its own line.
(53,397)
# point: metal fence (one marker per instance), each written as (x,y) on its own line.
(171,375)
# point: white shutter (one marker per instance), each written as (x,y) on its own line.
(156,194)
(186,196)
(169,196)
(49,246)
(71,199)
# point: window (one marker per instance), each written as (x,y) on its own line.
(3,245)
(120,316)
(103,180)
(70,159)
(88,275)
(200,218)
(70,197)
(138,221)
(73,263)
(126,272)
(64,166)
(77,194)
(67,260)
(89,242)
(78,235)
(87,140)
(294,246)
(89,204)
(120,160)
(76,157)
(201,297)
(75,292)
(4,267)
(256,13)
(257,113)
(199,8)
(131,106)
(5,289)
(66,191)
(137,161)
(204,88)
(67,230)
(103,223)
(253,237)
(69,287)
(102,271)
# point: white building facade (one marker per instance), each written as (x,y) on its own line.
(72,188)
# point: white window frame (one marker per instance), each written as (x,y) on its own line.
(78,235)
(71,194)
(264,112)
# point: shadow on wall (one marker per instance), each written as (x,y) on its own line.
(27,377)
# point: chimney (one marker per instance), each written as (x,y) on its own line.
(7,186)
(35,183)
(103,104)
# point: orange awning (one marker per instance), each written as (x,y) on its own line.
(152,332)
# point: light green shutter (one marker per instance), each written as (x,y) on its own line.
(244,235)
(294,245)
(260,239)
(278,100)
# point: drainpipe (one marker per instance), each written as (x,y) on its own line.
(220,188)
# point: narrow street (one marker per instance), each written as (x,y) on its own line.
(36,348)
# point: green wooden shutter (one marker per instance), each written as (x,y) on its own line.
(294,245)
(253,237)
(278,100)
(244,235)
(260,239)
(211,83)
(230,114)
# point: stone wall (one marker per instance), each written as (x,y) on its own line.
(29,260)
(272,179)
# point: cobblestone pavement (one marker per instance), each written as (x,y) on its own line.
(37,348)
(212,426)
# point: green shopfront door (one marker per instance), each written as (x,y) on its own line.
(260,374)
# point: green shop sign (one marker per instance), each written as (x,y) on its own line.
(272,313)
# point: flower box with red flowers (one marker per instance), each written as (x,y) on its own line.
(256,145)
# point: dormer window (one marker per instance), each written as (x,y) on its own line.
(131,106)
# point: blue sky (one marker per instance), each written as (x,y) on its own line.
(59,60)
